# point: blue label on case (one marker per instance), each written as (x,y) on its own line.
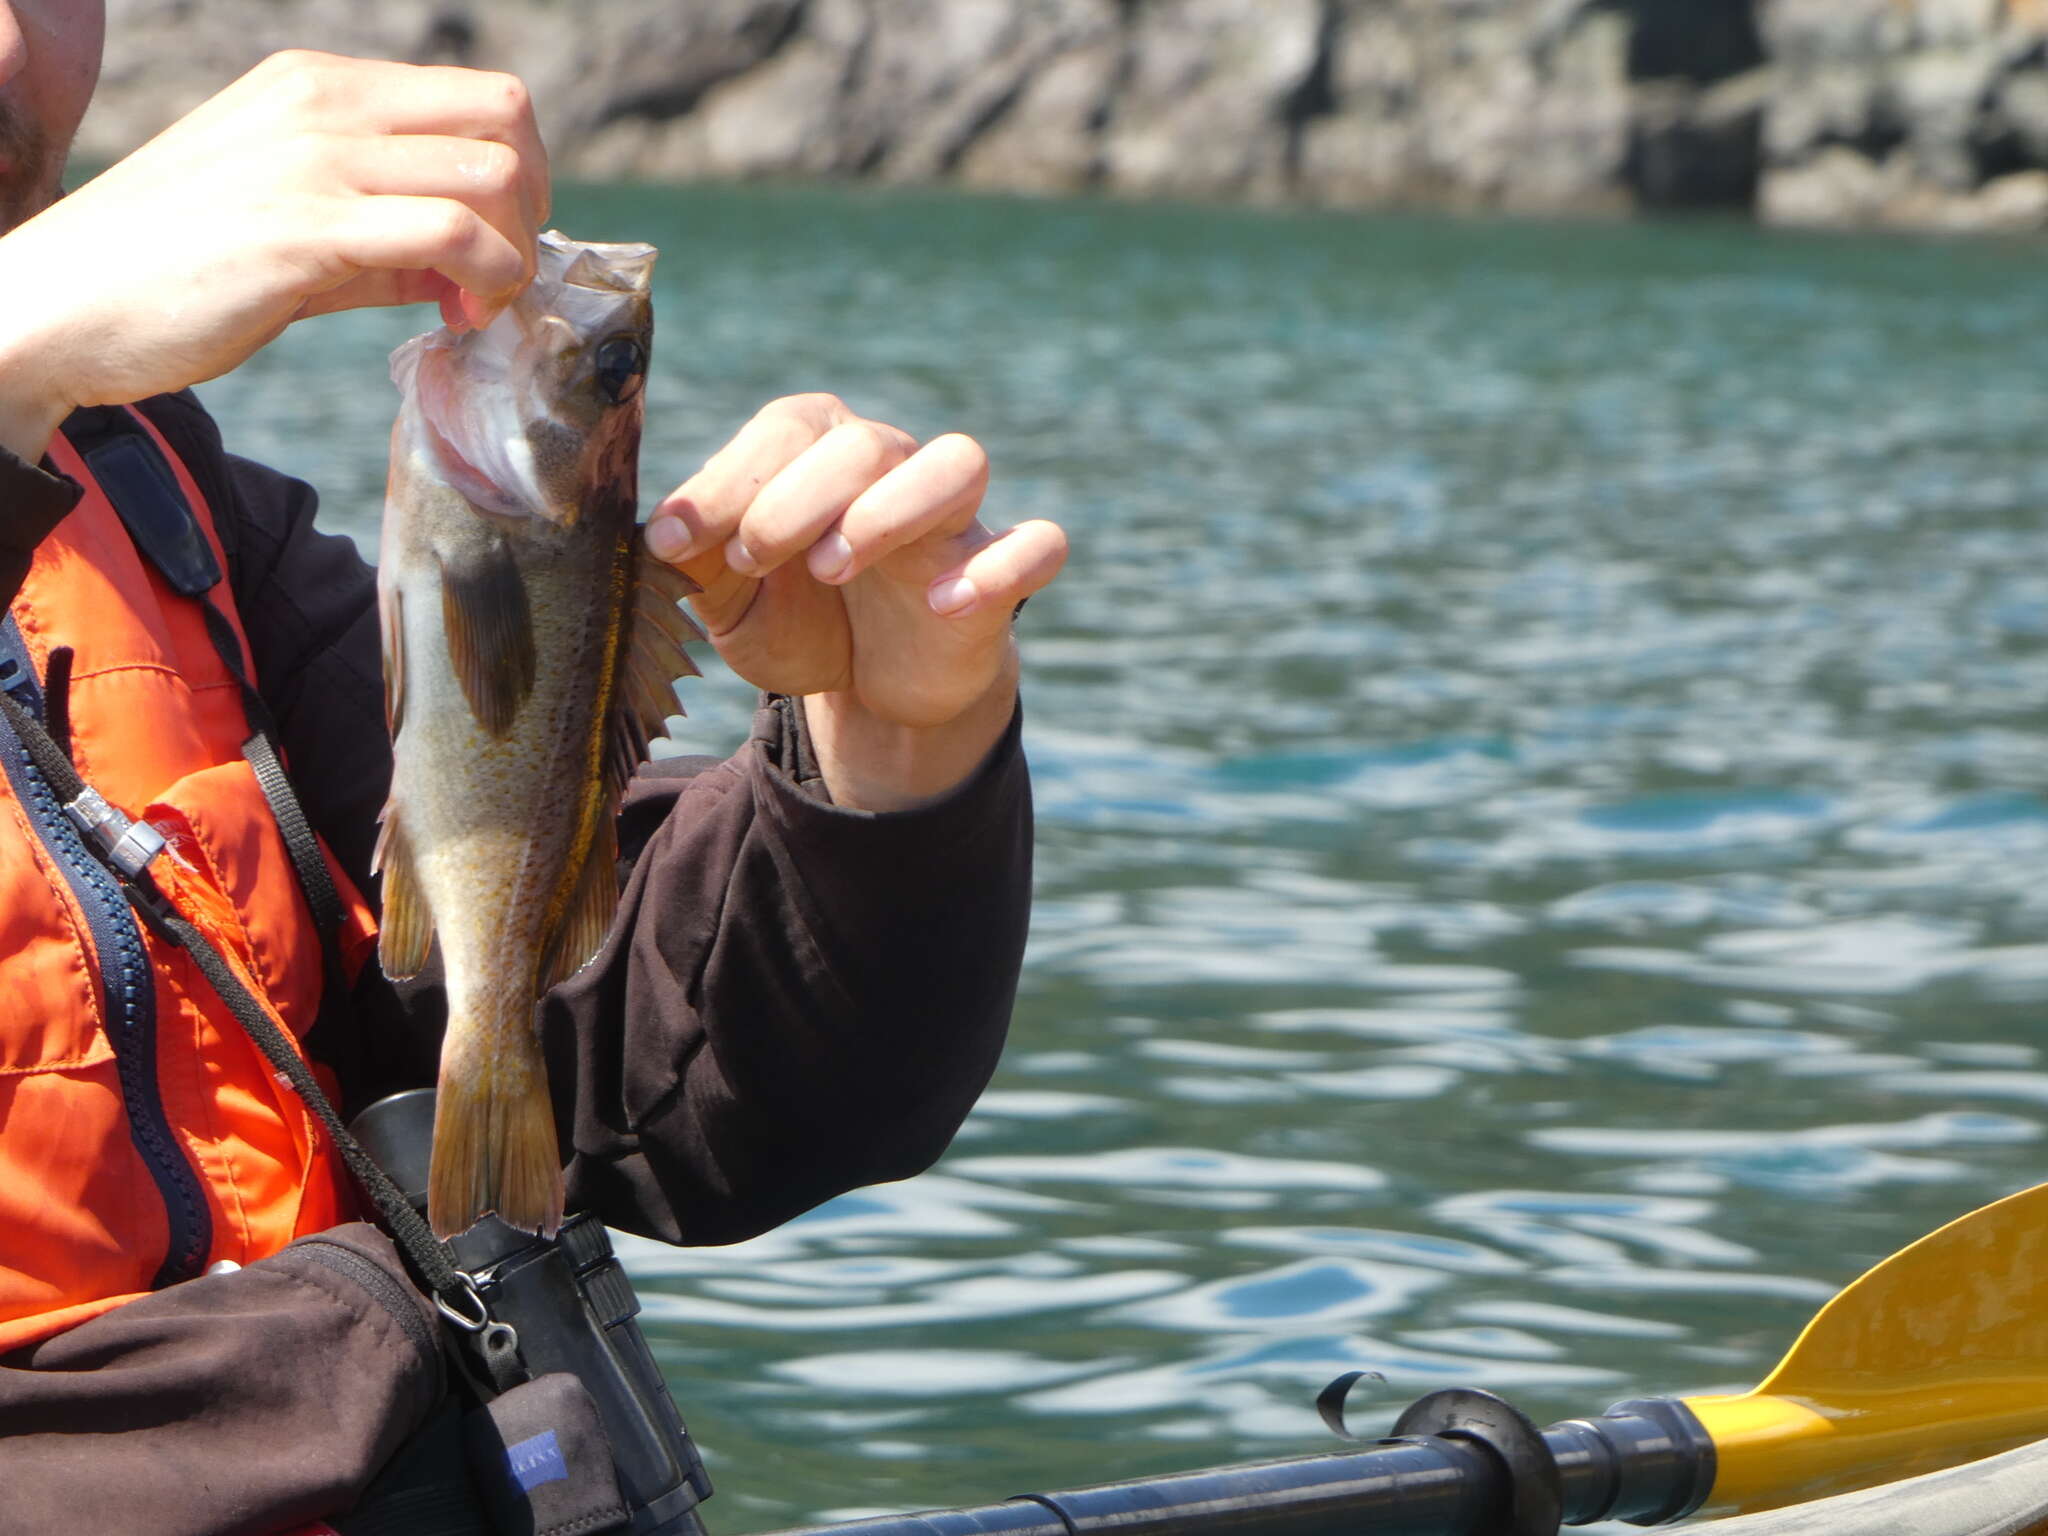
(536,1461)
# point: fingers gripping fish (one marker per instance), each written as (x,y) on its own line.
(529,654)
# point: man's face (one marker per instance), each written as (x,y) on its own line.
(49,63)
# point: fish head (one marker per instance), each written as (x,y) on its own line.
(537,415)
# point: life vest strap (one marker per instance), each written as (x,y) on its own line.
(165,527)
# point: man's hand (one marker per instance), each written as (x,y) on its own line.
(310,185)
(844,564)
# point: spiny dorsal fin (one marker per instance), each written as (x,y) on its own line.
(490,632)
(664,579)
(649,702)
(408,927)
(589,915)
(658,631)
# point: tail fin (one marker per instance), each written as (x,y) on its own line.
(495,1150)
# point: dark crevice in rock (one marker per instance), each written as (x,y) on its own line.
(1698,88)
(1314,95)
(2000,151)
(1103,114)
(1694,160)
(759,37)
(978,127)
(855,158)
(450,38)
(1698,40)
(871,158)
(1874,139)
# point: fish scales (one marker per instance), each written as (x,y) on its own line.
(510,583)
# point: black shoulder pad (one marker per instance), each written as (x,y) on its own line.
(145,492)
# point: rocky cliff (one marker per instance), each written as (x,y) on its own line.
(1925,113)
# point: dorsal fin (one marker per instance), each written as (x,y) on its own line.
(658,631)
(664,579)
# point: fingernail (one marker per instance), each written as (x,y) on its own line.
(667,538)
(954,595)
(740,558)
(830,557)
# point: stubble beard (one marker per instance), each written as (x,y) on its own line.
(30,168)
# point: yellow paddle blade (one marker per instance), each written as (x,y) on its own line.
(1938,1355)
(2000,1496)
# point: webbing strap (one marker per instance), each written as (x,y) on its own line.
(429,1257)
(426,1254)
(300,844)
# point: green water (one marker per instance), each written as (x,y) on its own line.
(1539,755)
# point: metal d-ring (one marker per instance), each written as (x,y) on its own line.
(476,1324)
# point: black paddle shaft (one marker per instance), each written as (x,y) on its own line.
(1464,1464)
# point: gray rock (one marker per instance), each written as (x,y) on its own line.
(1476,106)
(1805,33)
(784,117)
(1202,107)
(1929,112)
(1834,188)
(1049,137)
(2011,204)
(1940,94)
(655,60)
(935,82)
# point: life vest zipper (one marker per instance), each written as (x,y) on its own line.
(127,981)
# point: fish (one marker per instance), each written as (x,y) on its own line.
(530,650)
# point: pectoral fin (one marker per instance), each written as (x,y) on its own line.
(490,631)
(392,613)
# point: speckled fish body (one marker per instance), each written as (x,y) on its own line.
(528,653)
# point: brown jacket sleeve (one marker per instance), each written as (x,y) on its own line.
(235,1404)
(797,999)
(32,502)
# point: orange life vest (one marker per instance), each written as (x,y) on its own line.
(143,1137)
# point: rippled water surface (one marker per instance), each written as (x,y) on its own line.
(1540,764)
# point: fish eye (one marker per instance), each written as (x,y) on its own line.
(621,365)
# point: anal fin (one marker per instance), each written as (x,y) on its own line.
(407,931)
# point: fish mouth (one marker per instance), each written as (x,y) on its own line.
(439,401)
(477,488)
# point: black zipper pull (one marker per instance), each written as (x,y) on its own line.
(57,697)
